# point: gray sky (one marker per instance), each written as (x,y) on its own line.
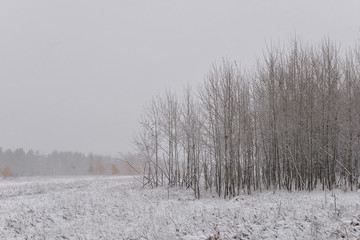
(74,75)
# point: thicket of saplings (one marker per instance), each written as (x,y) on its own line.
(293,123)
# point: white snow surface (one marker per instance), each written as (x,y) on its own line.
(118,208)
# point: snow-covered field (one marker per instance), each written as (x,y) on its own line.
(117,208)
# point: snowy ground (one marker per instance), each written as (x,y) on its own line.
(116,208)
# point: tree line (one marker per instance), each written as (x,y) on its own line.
(31,163)
(292,123)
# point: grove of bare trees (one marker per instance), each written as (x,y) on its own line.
(292,123)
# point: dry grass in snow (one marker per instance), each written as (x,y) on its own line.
(117,208)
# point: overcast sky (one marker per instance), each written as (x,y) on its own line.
(75,74)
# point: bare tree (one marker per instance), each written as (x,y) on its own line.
(292,123)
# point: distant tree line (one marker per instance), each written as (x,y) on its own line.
(292,123)
(30,163)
